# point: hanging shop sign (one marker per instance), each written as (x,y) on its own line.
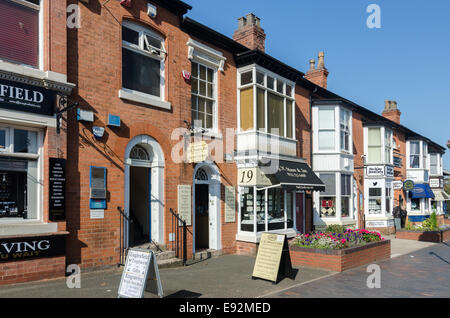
(57,189)
(140,274)
(23,248)
(26,98)
(398,185)
(408,185)
(197,151)
(273,260)
(389,171)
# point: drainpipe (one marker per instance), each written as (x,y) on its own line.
(311,149)
(310,126)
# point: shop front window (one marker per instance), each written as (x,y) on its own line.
(279,214)
(375,197)
(415,205)
(345,195)
(18,176)
(434,205)
(328,198)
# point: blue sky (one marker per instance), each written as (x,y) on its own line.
(407,60)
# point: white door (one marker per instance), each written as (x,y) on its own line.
(214,215)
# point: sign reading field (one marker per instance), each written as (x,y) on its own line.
(273,258)
(140,274)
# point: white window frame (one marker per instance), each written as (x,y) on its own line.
(438,163)
(349,196)
(143,31)
(287,99)
(380,197)
(348,120)
(40,64)
(215,120)
(423,154)
(255,212)
(38,157)
(383,145)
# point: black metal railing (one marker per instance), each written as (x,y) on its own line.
(178,241)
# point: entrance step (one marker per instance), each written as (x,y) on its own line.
(164,257)
(205,254)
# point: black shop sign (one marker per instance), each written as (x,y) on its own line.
(20,249)
(57,189)
(27,98)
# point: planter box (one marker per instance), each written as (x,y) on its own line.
(340,260)
(425,236)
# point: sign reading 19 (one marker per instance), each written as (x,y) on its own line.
(247,176)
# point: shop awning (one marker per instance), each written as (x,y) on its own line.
(294,175)
(422,191)
(440,195)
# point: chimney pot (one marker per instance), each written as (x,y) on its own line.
(250,33)
(391,111)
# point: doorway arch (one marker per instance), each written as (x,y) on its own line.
(207,174)
(144,151)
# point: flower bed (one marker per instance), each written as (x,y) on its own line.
(424,236)
(339,251)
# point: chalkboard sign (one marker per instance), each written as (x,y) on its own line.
(140,273)
(57,191)
(273,260)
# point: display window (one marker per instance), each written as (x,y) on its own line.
(19,173)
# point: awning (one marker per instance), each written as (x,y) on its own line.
(440,195)
(422,191)
(293,175)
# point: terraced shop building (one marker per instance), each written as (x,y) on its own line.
(33,87)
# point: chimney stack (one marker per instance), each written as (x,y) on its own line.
(318,75)
(250,33)
(391,111)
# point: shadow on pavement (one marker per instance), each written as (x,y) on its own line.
(184,294)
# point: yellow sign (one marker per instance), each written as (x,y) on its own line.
(197,151)
(252,177)
(269,256)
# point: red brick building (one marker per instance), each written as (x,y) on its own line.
(33,84)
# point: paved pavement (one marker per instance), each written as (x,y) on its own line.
(227,276)
(422,273)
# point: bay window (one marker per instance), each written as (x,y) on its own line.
(266,103)
(143,56)
(326,129)
(19,173)
(434,164)
(269,209)
(19,31)
(345,119)
(379,145)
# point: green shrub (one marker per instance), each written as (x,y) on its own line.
(335,228)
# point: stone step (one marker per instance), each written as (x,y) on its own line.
(160,256)
(205,254)
(168,263)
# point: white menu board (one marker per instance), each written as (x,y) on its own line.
(134,276)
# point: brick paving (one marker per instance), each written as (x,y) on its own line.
(422,273)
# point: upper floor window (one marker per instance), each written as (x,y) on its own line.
(267,103)
(345,119)
(19,31)
(203,96)
(418,152)
(435,164)
(143,56)
(379,145)
(326,129)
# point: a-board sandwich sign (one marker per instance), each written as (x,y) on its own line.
(140,274)
(273,260)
